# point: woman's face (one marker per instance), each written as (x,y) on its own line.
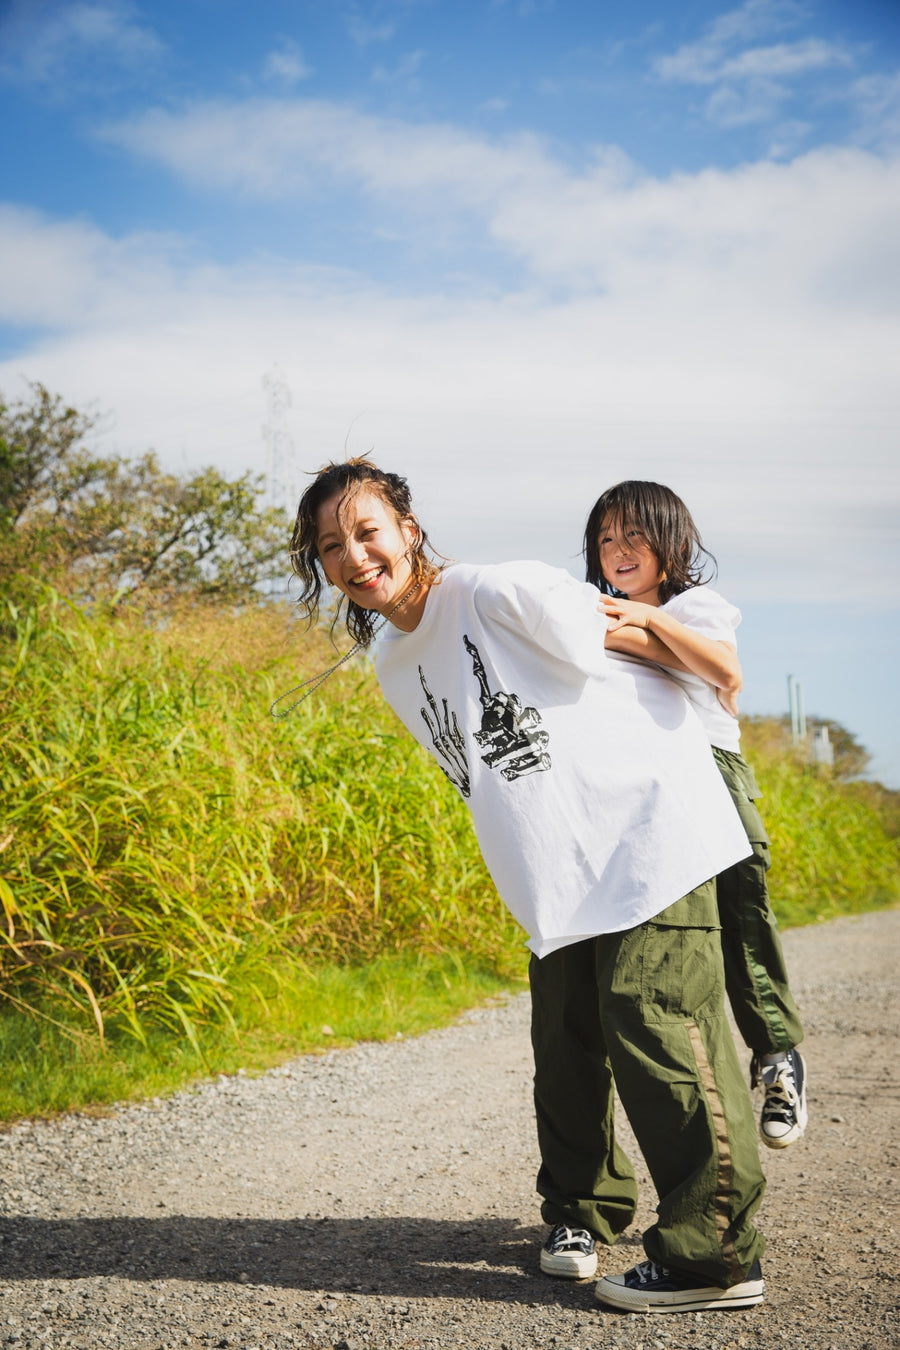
(364,547)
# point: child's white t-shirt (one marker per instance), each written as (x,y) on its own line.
(596,801)
(708,613)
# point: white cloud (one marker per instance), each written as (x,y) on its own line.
(278,148)
(52,44)
(877,101)
(759,101)
(364,32)
(788,138)
(286,64)
(785,59)
(66,275)
(735,328)
(750,83)
(494,105)
(694,61)
(796,229)
(404,71)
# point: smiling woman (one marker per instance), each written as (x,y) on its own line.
(365,552)
(356,529)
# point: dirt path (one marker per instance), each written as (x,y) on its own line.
(383,1197)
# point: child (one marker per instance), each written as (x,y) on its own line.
(587,776)
(644,551)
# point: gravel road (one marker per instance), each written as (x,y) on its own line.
(382,1196)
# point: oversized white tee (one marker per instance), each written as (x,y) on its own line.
(710,614)
(596,801)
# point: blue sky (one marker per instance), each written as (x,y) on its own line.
(518,250)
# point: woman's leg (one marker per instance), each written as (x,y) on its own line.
(678,1075)
(585,1178)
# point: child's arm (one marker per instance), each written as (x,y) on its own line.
(714,661)
(641,642)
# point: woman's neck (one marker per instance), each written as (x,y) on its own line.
(407,615)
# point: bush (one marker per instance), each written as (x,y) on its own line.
(164,836)
(834,844)
(166,845)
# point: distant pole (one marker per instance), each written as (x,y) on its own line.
(277,436)
(797,711)
(792,706)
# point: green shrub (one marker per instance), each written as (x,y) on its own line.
(169,851)
(835,848)
(164,838)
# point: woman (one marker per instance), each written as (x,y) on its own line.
(602,819)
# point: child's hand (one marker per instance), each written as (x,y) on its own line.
(728,701)
(621,612)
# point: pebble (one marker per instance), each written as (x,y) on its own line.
(382,1198)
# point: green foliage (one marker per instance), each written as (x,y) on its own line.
(773,736)
(38,444)
(850,758)
(835,848)
(165,841)
(107,528)
(45,1070)
(187,885)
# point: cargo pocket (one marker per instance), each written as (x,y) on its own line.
(682,978)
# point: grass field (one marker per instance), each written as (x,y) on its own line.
(190,887)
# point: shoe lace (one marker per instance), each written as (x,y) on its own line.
(563,1236)
(781,1093)
(650,1270)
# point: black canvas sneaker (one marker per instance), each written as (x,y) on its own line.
(569,1252)
(783,1117)
(649,1287)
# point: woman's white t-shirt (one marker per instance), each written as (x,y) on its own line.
(595,798)
(710,614)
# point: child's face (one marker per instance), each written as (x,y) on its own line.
(364,548)
(628,562)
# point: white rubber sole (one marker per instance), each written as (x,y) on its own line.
(612,1291)
(568,1265)
(785,1140)
(798,1131)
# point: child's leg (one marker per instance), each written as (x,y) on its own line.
(585,1178)
(677,1071)
(756,976)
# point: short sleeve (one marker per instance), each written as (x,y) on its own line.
(707,613)
(560,615)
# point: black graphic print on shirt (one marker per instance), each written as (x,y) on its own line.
(510,734)
(449,742)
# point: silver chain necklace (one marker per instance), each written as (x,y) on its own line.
(316,681)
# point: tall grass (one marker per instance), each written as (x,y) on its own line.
(835,846)
(163,838)
(172,860)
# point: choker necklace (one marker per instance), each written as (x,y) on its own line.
(316,681)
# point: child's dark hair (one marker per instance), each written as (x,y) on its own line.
(349,479)
(667,525)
